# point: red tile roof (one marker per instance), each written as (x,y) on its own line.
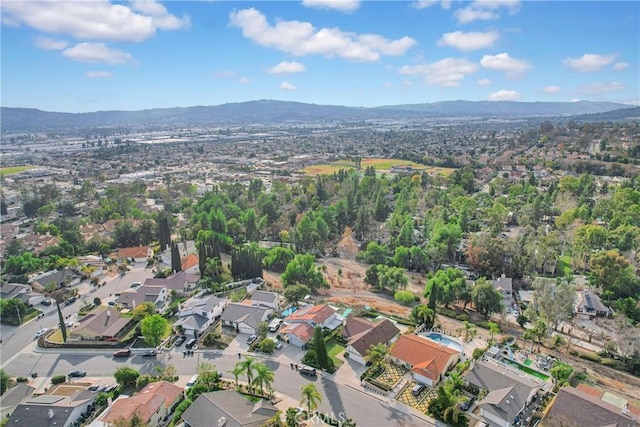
(189,261)
(311,313)
(303,331)
(135,252)
(145,403)
(426,357)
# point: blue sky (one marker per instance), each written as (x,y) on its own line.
(104,55)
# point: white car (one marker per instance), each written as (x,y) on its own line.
(41,332)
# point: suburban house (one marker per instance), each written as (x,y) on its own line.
(227,408)
(185,249)
(21,292)
(362,333)
(62,278)
(298,334)
(190,264)
(504,285)
(427,360)
(197,314)
(316,315)
(157,295)
(509,393)
(244,318)
(182,283)
(98,326)
(590,304)
(152,404)
(137,253)
(13,397)
(51,410)
(265,299)
(586,410)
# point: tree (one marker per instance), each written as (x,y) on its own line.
(5,379)
(311,397)
(153,328)
(236,372)
(134,421)
(12,311)
(485,298)
(554,300)
(560,372)
(291,417)
(264,376)
(267,345)
(522,320)
(404,297)
(376,354)
(445,287)
(557,341)
(126,376)
(248,366)
(295,293)
(63,325)
(320,347)
(423,314)
(176,263)
(146,308)
(278,258)
(493,329)
(302,270)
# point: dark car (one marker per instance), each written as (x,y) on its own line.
(77,374)
(46,302)
(93,388)
(70,301)
(181,339)
(466,404)
(122,353)
(308,370)
(189,345)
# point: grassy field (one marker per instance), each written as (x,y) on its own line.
(380,165)
(12,170)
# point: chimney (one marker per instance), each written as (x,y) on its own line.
(50,413)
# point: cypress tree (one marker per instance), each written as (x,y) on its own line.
(176,264)
(63,327)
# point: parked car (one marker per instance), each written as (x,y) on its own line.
(467,404)
(308,370)
(93,388)
(181,339)
(70,300)
(77,374)
(150,353)
(417,389)
(125,352)
(189,345)
(41,332)
(251,339)
(46,302)
(136,284)
(111,303)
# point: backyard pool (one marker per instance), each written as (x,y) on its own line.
(288,311)
(450,342)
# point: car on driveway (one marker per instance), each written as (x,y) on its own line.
(308,370)
(181,339)
(41,332)
(251,339)
(77,374)
(150,353)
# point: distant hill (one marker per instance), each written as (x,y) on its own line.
(270,111)
(622,115)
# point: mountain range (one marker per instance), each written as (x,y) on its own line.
(17,120)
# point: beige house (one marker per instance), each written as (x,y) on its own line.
(101,325)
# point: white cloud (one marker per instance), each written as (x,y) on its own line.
(484,82)
(504,95)
(49,43)
(244,80)
(287,68)
(301,38)
(469,41)
(447,72)
(287,86)
(424,4)
(503,62)
(98,74)
(342,5)
(590,62)
(619,66)
(601,88)
(97,53)
(95,19)
(551,89)
(485,10)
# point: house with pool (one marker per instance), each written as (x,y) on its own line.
(362,333)
(428,360)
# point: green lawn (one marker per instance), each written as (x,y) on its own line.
(334,348)
(564,265)
(12,170)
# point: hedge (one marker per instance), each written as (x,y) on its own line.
(379,384)
(58,379)
(463,317)
(590,357)
(22,379)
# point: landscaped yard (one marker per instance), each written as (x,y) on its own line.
(12,170)
(421,401)
(334,348)
(391,375)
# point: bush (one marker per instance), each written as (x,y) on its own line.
(447,312)
(380,384)
(463,317)
(22,379)
(590,357)
(311,358)
(484,325)
(573,352)
(609,362)
(478,353)
(58,379)
(404,297)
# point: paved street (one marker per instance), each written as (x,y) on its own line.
(341,392)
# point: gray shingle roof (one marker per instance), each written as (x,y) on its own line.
(237,313)
(264,296)
(237,410)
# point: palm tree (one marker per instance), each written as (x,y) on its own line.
(247,366)
(236,372)
(424,314)
(291,417)
(264,376)
(376,354)
(469,331)
(493,329)
(311,396)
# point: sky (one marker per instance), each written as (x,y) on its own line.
(96,55)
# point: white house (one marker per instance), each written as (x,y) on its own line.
(197,314)
(244,318)
(21,292)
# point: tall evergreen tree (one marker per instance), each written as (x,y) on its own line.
(164,230)
(246,263)
(320,347)
(176,264)
(63,327)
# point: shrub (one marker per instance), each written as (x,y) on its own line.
(311,358)
(590,357)
(58,379)
(573,352)
(609,362)
(22,379)
(404,297)
(379,384)
(463,317)
(484,325)
(478,353)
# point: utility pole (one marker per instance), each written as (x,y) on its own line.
(18,313)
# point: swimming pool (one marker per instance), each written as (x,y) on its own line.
(288,311)
(450,342)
